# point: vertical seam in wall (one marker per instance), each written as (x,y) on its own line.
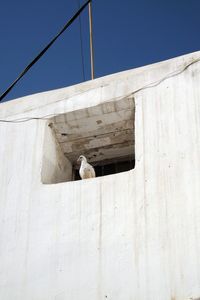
(144,199)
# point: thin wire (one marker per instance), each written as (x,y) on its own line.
(23,120)
(150,85)
(45,49)
(81,42)
(170,75)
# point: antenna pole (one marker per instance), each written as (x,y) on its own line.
(91,41)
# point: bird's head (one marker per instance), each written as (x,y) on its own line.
(82,158)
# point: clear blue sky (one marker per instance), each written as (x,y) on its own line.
(127,34)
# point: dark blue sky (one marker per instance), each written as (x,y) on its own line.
(127,34)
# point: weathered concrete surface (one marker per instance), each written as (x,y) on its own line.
(133,235)
(55,165)
(99,132)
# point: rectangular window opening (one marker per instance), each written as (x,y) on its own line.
(104,134)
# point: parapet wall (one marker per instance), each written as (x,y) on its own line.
(132,235)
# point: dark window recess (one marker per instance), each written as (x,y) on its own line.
(110,168)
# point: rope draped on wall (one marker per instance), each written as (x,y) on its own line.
(150,85)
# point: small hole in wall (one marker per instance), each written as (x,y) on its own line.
(104,134)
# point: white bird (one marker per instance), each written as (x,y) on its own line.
(86,170)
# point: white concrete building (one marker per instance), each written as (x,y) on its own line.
(133,235)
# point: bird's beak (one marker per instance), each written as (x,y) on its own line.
(78,160)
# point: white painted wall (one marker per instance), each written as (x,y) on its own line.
(134,235)
(55,165)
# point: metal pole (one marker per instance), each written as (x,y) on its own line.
(91,41)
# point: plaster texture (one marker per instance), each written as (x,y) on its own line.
(128,236)
(99,132)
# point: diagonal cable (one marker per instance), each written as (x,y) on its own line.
(147,86)
(45,49)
